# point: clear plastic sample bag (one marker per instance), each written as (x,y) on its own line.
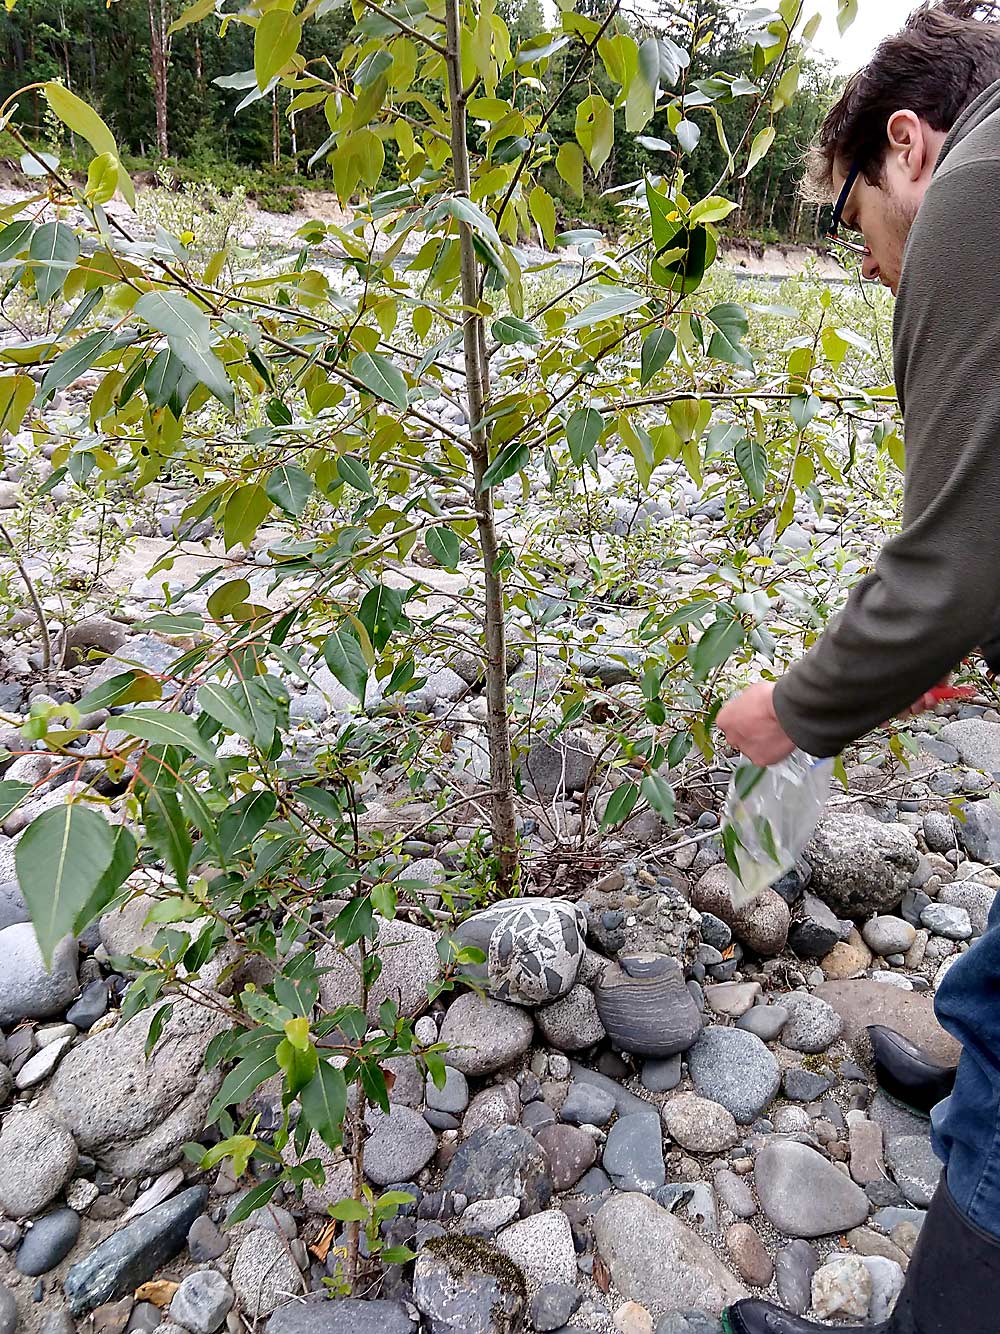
(768,818)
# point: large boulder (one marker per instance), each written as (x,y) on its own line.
(131,1113)
(410,964)
(860,1002)
(654,1259)
(861,866)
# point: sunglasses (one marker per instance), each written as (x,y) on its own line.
(854,247)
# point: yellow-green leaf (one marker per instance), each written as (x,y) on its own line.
(102,178)
(595,130)
(193,14)
(84,120)
(274,43)
(759,148)
(569,165)
(16,392)
(544,212)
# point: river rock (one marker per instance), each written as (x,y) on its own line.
(454,1097)
(8,1310)
(653,1258)
(410,964)
(914,1166)
(264,1274)
(761,925)
(465,1285)
(553,1304)
(977,742)
(979,832)
(860,866)
(764,1021)
(803,1194)
(646,1007)
(888,935)
(130,1113)
(699,1125)
(48,1241)
(558,767)
(948,920)
(815,929)
(533,948)
(501,1161)
(977,900)
(587,1105)
(317,1314)
(28,990)
(572,1023)
(633,1154)
(750,1255)
(542,1248)
(794,1266)
(887,1278)
(398,1146)
(734,1193)
(133,1254)
(813,1026)
(484,1035)
(202,1302)
(570,1151)
(37,1158)
(861,1002)
(734,1068)
(843,1287)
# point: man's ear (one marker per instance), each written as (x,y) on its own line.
(907,143)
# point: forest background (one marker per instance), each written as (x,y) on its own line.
(169,98)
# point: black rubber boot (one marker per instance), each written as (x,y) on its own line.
(906,1072)
(952,1285)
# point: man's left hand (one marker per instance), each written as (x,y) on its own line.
(751,725)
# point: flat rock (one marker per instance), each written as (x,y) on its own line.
(653,1258)
(764,1021)
(317,1314)
(571,1152)
(977,742)
(27,989)
(803,1194)
(553,1304)
(914,1167)
(734,1068)
(626,1103)
(202,1302)
(732,999)
(977,900)
(646,1007)
(533,948)
(586,1104)
(633,1154)
(398,1146)
(484,1035)
(133,1254)
(37,1158)
(860,1002)
(794,1266)
(947,919)
(48,1241)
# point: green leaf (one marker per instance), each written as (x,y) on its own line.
(53,252)
(641,98)
(583,430)
(688,135)
(719,642)
(124,688)
(14,238)
(166,828)
(275,42)
(16,393)
(75,360)
(246,509)
(569,165)
(243,822)
(380,613)
(620,804)
(161,381)
(60,860)
(657,349)
(510,330)
(732,324)
(84,120)
(751,459)
(444,546)
(193,14)
(347,662)
(168,729)
(381,377)
(760,147)
(123,860)
(255,1198)
(189,334)
(12,793)
(354,921)
(619,301)
(658,792)
(595,130)
(226,708)
(290,488)
(247,1075)
(348,1211)
(803,409)
(352,471)
(511,459)
(324,1103)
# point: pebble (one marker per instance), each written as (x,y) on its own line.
(484,1035)
(815,930)
(645,1006)
(202,1302)
(939,831)
(205,1241)
(37,1158)
(813,1026)
(633,1154)
(804,1085)
(398,1146)
(660,1075)
(914,1166)
(571,1152)
(454,1097)
(485,1218)
(144,1319)
(40,1066)
(733,999)
(948,920)
(887,1278)
(541,1246)
(8,1310)
(749,1255)
(734,1068)
(734,1193)
(501,1161)
(48,1241)
(842,1287)
(463,1283)
(699,1125)
(794,1266)
(572,1023)
(764,1021)
(866,1159)
(28,990)
(553,1304)
(264,1275)
(631,1318)
(888,935)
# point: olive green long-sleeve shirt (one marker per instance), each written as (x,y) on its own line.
(934,593)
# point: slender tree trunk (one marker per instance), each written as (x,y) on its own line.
(198,69)
(477,382)
(275,131)
(159,54)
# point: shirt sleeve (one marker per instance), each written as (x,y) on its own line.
(933,595)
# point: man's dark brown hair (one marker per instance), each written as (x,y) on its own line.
(944,57)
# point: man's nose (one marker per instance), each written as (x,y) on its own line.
(869,268)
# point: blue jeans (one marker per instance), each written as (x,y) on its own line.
(966,1126)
